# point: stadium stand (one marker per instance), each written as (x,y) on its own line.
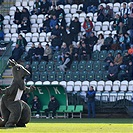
(82,73)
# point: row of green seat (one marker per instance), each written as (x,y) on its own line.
(69,75)
(75,66)
(64,110)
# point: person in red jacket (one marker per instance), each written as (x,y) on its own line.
(88,26)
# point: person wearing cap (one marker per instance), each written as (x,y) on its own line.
(88,26)
(52,106)
(91,102)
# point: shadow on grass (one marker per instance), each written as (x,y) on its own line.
(83,120)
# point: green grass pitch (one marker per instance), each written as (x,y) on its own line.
(76,125)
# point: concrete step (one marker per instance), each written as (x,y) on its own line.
(5,81)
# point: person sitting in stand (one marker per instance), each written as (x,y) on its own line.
(67,62)
(52,106)
(17,17)
(39,52)
(16,53)
(36,105)
(47,53)
(112,71)
(31,53)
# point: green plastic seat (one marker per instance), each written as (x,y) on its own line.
(98,76)
(60,76)
(74,66)
(82,76)
(89,66)
(50,67)
(96,66)
(70,109)
(90,76)
(78,109)
(42,66)
(68,76)
(51,76)
(95,55)
(81,66)
(35,77)
(56,66)
(61,110)
(102,66)
(105,73)
(43,76)
(75,76)
(102,55)
(112,52)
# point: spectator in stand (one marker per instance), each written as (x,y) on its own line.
(65,35)
(125,62)
(53,11)
(108,13)
(88,26)
(108,59)
(53,22)
(76,53)
(107,43)
(127,41)
(36,105)
(130,8)
(92,41)
(17,17)
(36,7)
(100,14)
(31,53)
(125,21)
(121,29)
(46,25)
(84,51)
(116,22)
(91,102)
(75,28)
(28,77)
(130,26)
(124,9)
(122,42)
(25,13)
(1,34)
(25,25)
(64,49)
(56,38)
(52,106)
(39,52)
(128,72)
(99,43)
(112,72)
(59,12)
(115,45)
(118,59)
(16,53)
(61,23)
(47,53)
(92,6)
(44,8)
(67,62)
(1,21)
(21,41)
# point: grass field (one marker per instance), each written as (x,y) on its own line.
(76,125)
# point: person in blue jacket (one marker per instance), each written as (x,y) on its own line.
(91,102)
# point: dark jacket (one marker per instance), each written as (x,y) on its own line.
(36,104)
(113,69)
(53,104)
(39,51)
(91,96)
(75,27)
